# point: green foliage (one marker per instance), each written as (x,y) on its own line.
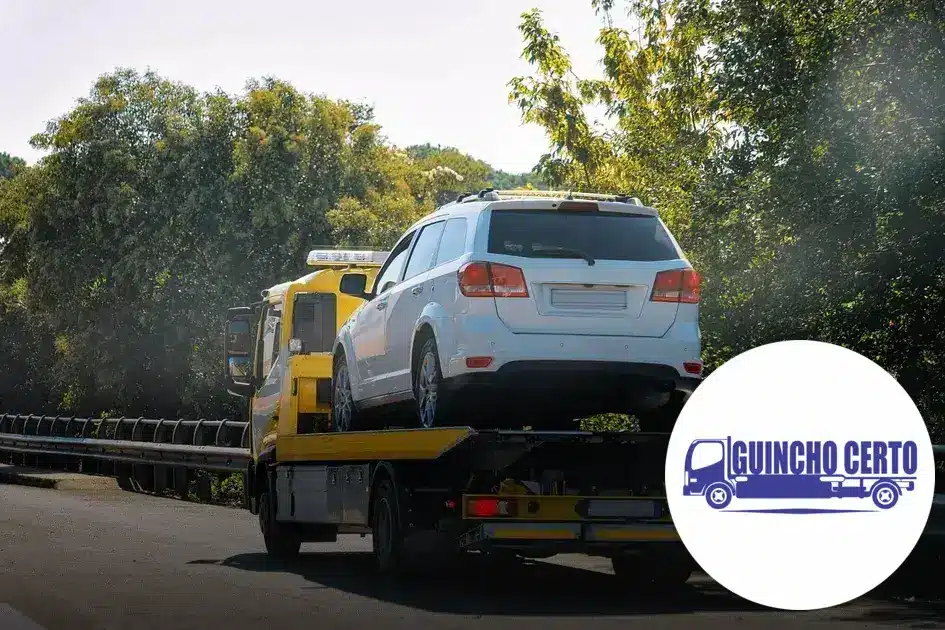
(9,165)
(157,208)
(795,149)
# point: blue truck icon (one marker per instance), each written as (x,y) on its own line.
(721,470)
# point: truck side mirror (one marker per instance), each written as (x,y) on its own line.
(354,284)
(237,349)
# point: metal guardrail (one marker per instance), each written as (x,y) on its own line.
(153,454)
(142,453)
(194,432)
(215,458)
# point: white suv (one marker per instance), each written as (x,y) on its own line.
(526,309)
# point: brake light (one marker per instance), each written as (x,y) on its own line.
(676,285)
(488,508)
(483,279)
(693,367)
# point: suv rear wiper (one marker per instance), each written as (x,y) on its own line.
(566,252)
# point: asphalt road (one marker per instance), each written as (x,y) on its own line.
(100,560)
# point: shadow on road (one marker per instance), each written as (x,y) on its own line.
(478,587)
(901,613)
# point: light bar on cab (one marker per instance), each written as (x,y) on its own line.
(345,257)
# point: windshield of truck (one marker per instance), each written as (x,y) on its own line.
(272,326)
(599,235)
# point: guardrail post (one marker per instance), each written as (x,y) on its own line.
(143,474)
(32,459)
(204,483)
(124,473)
(160,472)
(181,474)
(204,488)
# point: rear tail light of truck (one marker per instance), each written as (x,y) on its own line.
(676,285)
(489,508)
(484,279)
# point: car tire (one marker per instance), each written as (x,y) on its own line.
(432,399)
(344,411)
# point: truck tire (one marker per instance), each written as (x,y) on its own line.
(718,495)
(651,573)
(387,531)
(282,541)
(885,494)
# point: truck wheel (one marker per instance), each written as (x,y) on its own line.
(885,495)
(432,399)
(718,495)
(344,413)
(387,529)
(281,540)
(651,573)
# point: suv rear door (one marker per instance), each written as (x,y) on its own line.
(588,271)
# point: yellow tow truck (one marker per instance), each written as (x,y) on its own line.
(438,491)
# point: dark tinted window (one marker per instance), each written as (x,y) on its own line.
(601,235)
(422,257)
(314,319)
(453,241)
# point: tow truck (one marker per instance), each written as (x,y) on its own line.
(437,492)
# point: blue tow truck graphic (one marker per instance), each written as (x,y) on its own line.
(723,469)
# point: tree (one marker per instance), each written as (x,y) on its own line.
(157,208)
(794,149)
(9,165)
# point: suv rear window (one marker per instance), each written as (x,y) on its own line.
(600,235)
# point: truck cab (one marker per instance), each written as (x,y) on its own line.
(278,351)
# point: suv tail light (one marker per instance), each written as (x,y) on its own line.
(676,285)
(483,279)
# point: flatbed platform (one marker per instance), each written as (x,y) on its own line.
(431,444)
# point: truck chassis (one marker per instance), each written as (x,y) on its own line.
(439,493)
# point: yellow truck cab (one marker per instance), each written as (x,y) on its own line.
(278,350)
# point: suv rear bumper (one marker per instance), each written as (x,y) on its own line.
(573,387)
(486,336)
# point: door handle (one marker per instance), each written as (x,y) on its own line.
(417,290)
(381,305)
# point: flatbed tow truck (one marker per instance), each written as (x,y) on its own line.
(438,492)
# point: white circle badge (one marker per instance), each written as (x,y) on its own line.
(800,475)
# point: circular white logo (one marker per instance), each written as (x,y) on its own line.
(800,475)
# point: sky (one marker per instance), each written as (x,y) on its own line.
(435,70)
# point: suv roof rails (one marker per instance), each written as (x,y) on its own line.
(491,194)
(567,194)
